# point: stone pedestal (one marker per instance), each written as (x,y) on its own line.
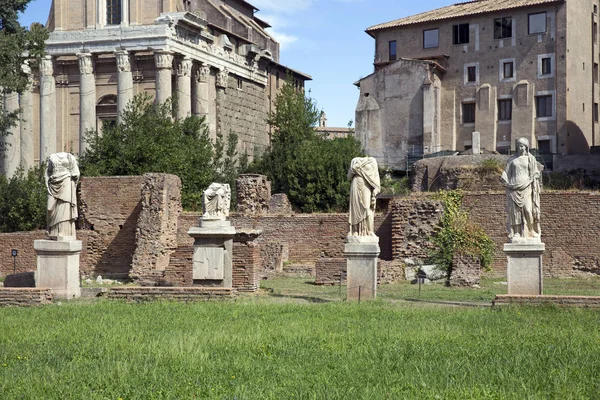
(213,249)
(524,269)
(362,253)
(58,267)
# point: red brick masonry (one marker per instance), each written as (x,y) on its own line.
(576,301)
(24,296)
(193,293)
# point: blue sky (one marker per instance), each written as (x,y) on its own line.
(323,38)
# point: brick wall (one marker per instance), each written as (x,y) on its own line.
(156,233)
(24,296)
(194,293)
(110,208)
(246,266)
(23,242)
(330,271)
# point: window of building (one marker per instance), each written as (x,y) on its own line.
(544,146)
(595,32)
(431,38)
(595,72)
(392,50)
(543,106)
(508,69)
(277,80)
(504,110)
(240,84)
(595,112)
(545,66)
(471,74)
(537,23)
(502,28)
(468,113)
(595,9)
(113,12)
(460,34)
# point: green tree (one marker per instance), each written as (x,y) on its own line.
(15,42)
(23,201)
(309,168)
(149,140)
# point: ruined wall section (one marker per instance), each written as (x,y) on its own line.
(156,233)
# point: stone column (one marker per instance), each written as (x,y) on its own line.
(12,154)
(221,83)
(124,82)
(47,109)
(164,67)
(26,104)
(184,87)
(87,99)
(201,91)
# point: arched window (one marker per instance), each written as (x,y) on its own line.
(106,112)
(113,12)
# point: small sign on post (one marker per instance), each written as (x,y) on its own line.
(14,253)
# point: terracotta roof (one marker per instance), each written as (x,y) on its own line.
(460,10)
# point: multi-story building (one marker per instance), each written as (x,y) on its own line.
(504,68)
(213,56)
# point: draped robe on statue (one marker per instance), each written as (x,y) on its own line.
(364,187)
(62,175)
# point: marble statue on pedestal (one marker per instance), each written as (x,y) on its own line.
(216,201)
(364,188)
(62,175)
(522,180)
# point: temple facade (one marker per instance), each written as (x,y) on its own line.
(213,57)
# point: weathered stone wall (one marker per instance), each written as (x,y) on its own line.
(244,111)
(156,234)
(466,271)
(24,296)
(110,207)
(456,172)
(414,220)
(194,293)
(253,194)
(330,271)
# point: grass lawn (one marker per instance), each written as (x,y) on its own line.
(261,348)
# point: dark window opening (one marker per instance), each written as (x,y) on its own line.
(544,147)
(508,70)
(546,66)
(460,34)
(471,74)
(595,112)
(468,113)
(392,50)
(502,28)
(113,12)
(505,110)
(543,106)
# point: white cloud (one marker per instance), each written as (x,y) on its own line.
(284,39)
(284,7)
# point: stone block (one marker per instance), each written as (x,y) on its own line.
(362,254)
(23,279)
(58,267)
(524,268)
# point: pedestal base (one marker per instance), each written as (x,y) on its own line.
(524,268)
(362,254)
(213,251)
(58,267)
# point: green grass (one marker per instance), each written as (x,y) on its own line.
(299,288)
(259,349)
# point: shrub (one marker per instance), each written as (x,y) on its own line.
(23,201)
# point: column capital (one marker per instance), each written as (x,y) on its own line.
(123,61)
(85,63)
(222,78)
(184,67)
(46,66)
(202,73)
(163,59)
